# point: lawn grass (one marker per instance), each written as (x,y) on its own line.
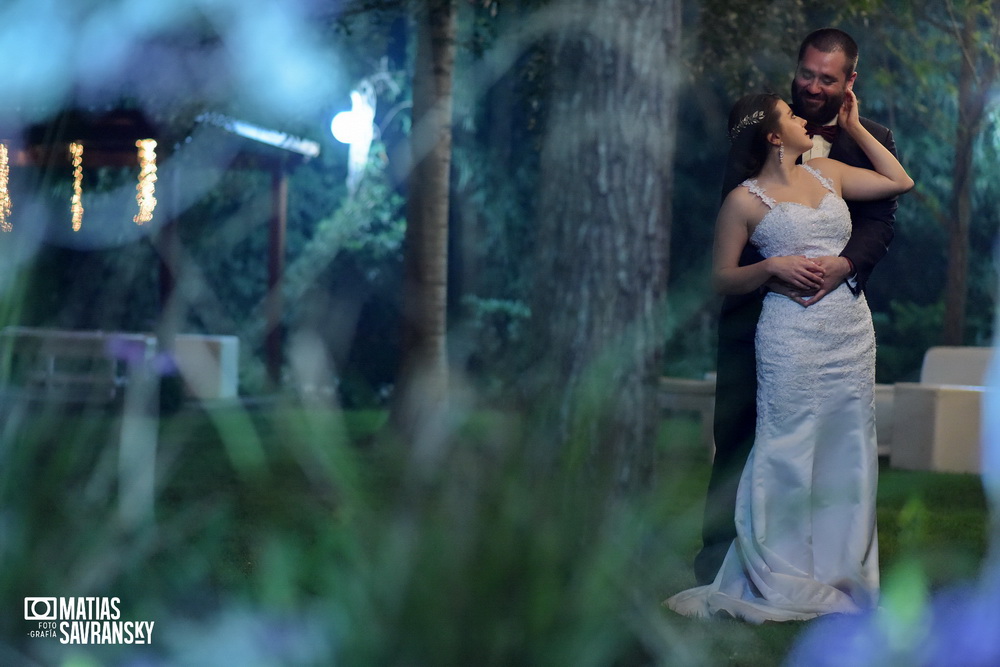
(931,523)
(467,553)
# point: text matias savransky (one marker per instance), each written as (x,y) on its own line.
(85,620)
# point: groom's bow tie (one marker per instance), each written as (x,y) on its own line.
(828,132)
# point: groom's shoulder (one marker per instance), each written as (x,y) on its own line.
(877,129)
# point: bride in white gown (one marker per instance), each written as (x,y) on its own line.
(806,541)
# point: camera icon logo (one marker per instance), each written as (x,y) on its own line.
(40,609)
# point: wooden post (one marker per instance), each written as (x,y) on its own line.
(166,244)
(276,267)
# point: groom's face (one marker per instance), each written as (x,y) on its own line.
(819,85)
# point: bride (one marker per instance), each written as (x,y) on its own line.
(806,541)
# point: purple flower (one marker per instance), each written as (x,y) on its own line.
(964,627)
(134,350)
(841,639)
(958,628)
(130,349)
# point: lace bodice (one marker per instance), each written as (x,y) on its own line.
(790,228)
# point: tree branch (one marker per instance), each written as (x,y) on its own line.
(933,206)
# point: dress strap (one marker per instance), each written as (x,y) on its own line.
(827,183)
(753,186)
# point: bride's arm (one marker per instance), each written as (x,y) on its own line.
(732,235)
(889,178)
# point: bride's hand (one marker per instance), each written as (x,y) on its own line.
(848,114)
(798,271)
(799,296)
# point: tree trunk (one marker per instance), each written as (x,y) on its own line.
(971,105)
(604,219)
(421,392)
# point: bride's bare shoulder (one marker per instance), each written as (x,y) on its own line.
(740,198)
(824,165)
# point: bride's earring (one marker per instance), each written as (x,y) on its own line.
(781,153)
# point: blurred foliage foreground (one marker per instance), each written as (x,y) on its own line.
(287,535)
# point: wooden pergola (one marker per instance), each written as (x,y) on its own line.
(276,153)
(110,141)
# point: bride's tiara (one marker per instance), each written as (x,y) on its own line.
(745,122)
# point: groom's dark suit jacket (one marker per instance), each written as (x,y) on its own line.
(736,388)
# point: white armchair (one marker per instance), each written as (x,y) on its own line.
(936,422)
(208,364)
(686,395)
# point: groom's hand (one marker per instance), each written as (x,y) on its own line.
(799,296)
(835,271)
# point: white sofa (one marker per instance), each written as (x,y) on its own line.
(936,422)
(885,395)
(688,395)
(208,364)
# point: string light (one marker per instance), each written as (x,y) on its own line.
(5,225)
(147,179)
(76,203)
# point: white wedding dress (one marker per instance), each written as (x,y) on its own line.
(805,512)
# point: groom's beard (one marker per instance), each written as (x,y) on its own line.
(805,105)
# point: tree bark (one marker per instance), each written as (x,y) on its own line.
(971,108)
(421,392)
(604,220)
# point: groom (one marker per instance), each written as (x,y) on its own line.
(826,69)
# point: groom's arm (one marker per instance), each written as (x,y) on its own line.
(871,222)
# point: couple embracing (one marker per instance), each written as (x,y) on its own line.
(808,210)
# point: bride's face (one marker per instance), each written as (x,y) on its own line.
(791,129)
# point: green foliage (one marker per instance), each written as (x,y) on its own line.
(493,189)
(691,337)
(368,225)
(911,56)
(342,546)
(112,288)
(343,284)
(393,560)
(493,331)
(904,334)
(748,45)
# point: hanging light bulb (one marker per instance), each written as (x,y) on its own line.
(147,179)
(5,225)
(76,202)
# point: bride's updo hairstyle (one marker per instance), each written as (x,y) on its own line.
(751,119)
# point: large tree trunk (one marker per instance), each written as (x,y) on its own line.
(956,282)
(973,87)
(421,392)
(604,219)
